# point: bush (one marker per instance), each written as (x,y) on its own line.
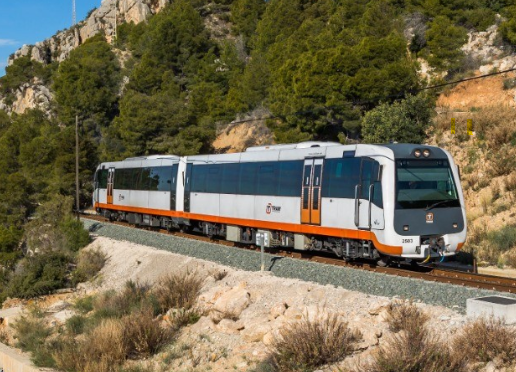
(76,324)
(503,239)
(485,340)
(404,121)
(31,333)
(402,316)
(90,262)
(85,304)
(103,349)
(143,334)
(133,297)
(311,343)
(39,275)
(413,348)
(178,291)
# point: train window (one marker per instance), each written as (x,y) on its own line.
(230,176)
(268,178)
(142,182)
(377,194)
(340,176)
(248,178)
(123,178)
(290,178)
(102,176)
(421,184)
(213,178)
(199,173)
(160,179)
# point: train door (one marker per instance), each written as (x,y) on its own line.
(311,192)
(367,193)
(187,183)
(173,187)
(110,182)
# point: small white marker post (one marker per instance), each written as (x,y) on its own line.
(260,240)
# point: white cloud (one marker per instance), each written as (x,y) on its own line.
(6,42)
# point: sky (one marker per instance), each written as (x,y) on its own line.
(30,21)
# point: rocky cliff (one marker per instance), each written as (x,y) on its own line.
(34,94)
(58,47)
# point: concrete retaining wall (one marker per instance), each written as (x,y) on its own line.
(11,360)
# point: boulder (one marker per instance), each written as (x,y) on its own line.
(230,304)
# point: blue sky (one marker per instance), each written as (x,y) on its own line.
(30,21)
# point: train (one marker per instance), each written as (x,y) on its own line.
(387,202)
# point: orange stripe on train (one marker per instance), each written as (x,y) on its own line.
(290,227)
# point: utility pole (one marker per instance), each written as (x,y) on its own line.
(77,207)
(115,26)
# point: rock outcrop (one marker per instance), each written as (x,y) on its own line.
(30,95)
(58,47)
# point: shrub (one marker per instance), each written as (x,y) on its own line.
(74,235)
(90,262)
(112,304)
(76,324)
(85,304)
(143,334)
(39,275)
(402,316)
(105,347)
(311,343)
(404,121)
(503,239)
(486,339)
(412,348)
(178,290)
(31,333)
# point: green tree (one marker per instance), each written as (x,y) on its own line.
(404,121)
(444,41)
(87,83)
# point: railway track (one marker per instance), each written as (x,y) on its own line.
(456,277)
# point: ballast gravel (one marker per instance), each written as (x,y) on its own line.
(377,284)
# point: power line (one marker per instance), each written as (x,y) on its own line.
(467,79)
(401,94)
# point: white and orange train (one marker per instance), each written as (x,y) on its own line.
(381,202)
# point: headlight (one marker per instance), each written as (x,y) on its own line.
(426,153)
(417,153)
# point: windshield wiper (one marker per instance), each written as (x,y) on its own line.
(439,203)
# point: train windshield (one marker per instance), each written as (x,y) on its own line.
(425,184)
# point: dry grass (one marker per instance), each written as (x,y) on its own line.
(104,349)
(485,340)
(112,304)
(413,348)
(310,343)
(143,334)
(177,291)
(402,316)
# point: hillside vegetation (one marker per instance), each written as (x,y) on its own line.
(328,70)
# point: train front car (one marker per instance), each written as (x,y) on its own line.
(425,204)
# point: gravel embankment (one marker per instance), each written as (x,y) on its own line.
(351,279)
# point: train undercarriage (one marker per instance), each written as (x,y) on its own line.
(348,249)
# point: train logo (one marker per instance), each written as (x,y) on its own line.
(429,217)
(272,208)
